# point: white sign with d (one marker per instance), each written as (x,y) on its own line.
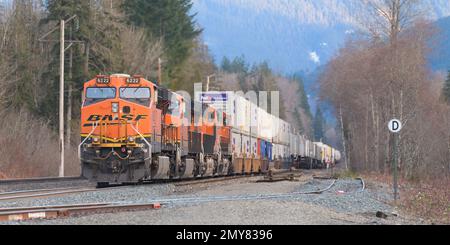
(395,126)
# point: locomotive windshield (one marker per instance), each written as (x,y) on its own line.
(136,95)
(94,95)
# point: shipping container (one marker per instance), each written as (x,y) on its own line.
(237,144)
(275,129)
(254,119)
(269,149)
(302,146)
(254,148)
(292,144)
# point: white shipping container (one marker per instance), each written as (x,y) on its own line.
(285,151)
(254,147)
(319,151)
(275,129)
(309,149)
(285,133)
(254,119)
(246,145)
(275,151)
(293,144)
(236,143)
(263,125)
(302,145)
(268,127)
(239,113)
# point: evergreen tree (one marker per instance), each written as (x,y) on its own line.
(79,29)
(170,20)
(239,66)
(95,27)
(319,123)
(20,53)
(303,108)
(446,90)
(304,96)
(226,64)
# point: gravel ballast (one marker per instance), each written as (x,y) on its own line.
(344,203)
(10,187)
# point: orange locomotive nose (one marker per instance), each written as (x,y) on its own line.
(116,125)
(116,107)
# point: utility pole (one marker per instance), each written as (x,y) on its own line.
(61,98)
(69,106)
(62,50)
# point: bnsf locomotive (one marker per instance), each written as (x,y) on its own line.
(133,130)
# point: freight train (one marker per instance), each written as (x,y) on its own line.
(133,130)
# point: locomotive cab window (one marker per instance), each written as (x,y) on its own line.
(95,95)
(139,96)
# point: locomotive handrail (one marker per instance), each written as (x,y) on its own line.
(145,140)
(94,127)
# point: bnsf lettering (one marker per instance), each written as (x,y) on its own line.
(95,118)
(139,117)
(110,118)
(130,118)
(107,118)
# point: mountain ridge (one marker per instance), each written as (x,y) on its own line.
(289,35)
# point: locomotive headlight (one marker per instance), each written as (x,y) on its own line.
(131,139)
(95,140)
(115,107)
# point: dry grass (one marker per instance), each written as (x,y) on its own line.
(430,199)
(30,148)
(427,198)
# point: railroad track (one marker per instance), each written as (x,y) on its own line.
(187,200)
(35,180)
(40,193)
(211,180)
(54,212)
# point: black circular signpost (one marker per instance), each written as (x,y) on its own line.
(395,126)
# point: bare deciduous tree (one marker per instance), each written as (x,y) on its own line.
(369,84)
(139,55)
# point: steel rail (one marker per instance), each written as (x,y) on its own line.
(53,212)
(34,180)
(209,180)
(7,196)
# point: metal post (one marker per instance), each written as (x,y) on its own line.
(395,126)
(61,100)
(61,81)
(395,168)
